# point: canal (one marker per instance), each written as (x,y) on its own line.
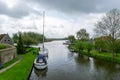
(64,65)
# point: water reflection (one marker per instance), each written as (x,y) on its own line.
(82,59)
(109,66)
(65,65)
(41,73)
(111,70)
(70,54)
(98,69)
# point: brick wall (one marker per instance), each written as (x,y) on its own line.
(8,54)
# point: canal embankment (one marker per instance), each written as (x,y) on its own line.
(107,56)
(20,70)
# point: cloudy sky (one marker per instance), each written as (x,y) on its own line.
(62,17)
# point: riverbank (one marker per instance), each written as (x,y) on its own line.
(20,70)
(107,56)
(103,55)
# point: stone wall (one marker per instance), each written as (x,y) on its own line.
(8,54)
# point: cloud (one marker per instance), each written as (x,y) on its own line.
(18,10)
(75,7)
(55,26)
(63,17)
(78,6)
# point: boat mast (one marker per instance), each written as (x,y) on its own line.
(43,27)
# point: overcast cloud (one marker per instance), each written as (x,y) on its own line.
(77,6)
(63,17)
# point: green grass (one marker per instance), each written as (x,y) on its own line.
(107,56)
(103,55)
(20,71)
(2,46)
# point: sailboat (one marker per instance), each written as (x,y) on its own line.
(41,60)
(43,50)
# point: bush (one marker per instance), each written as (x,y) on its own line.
(79,46)
(88,46)
(3,46)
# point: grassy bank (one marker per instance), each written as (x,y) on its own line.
(103,56)
(107,56)
(20,71)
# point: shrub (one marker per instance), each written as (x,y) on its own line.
(79,46)
(88,46)
(3,46)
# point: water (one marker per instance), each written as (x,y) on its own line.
(64,65)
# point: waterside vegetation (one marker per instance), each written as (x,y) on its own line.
(106,45)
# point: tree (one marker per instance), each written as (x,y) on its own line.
(15,37)
(71,38)
(20,45)
(99,43)
(29,38)
(109,26)
(79,46)
(82,35)
(88,46)
(36,36)
(117,46)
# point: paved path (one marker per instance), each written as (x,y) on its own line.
(4,69)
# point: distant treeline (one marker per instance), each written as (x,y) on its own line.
(28,38)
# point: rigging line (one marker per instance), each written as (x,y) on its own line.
(43,26)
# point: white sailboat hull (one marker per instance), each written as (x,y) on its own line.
(40,66)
